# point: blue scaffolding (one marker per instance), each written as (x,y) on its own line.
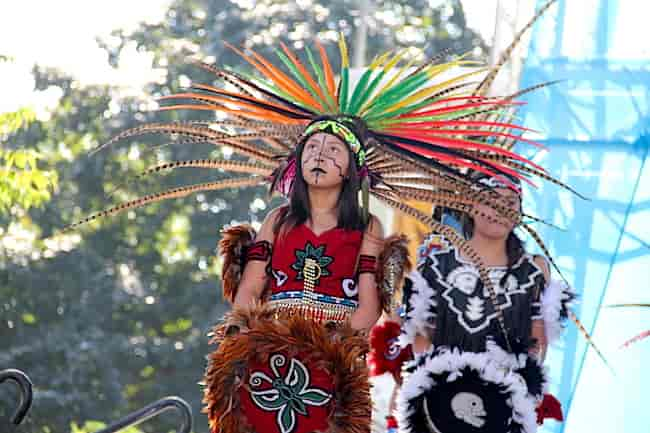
(596,124)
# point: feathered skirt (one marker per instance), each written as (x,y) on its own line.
(273,374)
(449,391)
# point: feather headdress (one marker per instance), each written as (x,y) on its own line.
(414,134)
(411,139)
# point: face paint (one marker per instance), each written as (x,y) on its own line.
(325,160)
(342,132)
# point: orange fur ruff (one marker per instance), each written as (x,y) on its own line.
(232,245)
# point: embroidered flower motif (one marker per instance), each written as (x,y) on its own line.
(318,255)
(290,395)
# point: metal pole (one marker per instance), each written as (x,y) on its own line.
(361,42)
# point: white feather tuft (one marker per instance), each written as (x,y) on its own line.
(556,294)
(420,319)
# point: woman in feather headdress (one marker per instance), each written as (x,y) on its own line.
(290,354)
(479,347)
(479,332)
(480,350)
(315,241)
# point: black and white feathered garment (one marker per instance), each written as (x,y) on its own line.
(445,292)
(453,391)
(468,382)
(556,299)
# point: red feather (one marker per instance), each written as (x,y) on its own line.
(551,408)
(466,99)
(633,340)
(461,162)
(439,123)
(455,108)
(466,132)
(458,143)
(385,355)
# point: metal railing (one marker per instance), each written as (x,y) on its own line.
(25,386)
(151,411)
(133,419)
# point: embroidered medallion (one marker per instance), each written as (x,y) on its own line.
(287,395)
(313,261)
(465,295)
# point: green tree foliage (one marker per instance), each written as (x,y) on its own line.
(22,184)
(114,316)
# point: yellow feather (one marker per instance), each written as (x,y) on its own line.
(391,64)
(343,48)
(379,60)
(433,70)
(389,83)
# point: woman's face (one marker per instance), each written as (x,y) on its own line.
(489,223)
(325,161)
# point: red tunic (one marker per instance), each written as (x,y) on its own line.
(313,276)
(316,275)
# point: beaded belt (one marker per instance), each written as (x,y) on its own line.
(315,306)
(310,304)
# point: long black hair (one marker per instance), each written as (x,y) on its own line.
(298,210)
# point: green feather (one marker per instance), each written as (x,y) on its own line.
(296,73)
(269,86)
(409,85)
(368,92)
(343,90)
(321,78)
(412,108)
(396,93)
(358,90)
(397,89)
(407,109)
(392,121)
(379,110)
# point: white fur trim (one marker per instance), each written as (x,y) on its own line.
(419,319)
(495,365)
(556,294)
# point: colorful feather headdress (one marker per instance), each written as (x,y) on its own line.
(419,140)
(414,134)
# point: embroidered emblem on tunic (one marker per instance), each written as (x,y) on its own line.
(469,300)
(287,395)
(312,263)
